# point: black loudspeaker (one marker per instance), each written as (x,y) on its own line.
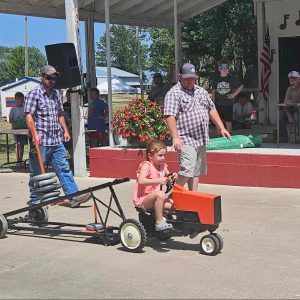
(64,59)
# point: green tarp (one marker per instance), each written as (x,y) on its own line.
(237,142)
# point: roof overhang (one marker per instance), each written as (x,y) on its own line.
(153,13)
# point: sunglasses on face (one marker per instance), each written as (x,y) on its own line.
(223,68)
(51,78)
(292,78)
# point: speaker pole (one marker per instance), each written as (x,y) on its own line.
(78,131)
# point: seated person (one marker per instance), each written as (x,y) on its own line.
(98,113)
(290,114)
(242,112)
(158,90)
(150,175)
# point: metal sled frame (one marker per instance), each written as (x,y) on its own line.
(108,235)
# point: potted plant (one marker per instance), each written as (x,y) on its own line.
(140,121)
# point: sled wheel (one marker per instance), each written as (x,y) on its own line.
(132,235)
(210,245)
(163,235)
(40,215)
(220,240)
(3,226)
(43,176)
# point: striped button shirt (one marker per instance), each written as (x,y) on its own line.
(45,109)
(191,111)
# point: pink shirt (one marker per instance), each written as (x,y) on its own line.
(140,191)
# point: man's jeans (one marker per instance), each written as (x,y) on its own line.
(56,157)
(283,120)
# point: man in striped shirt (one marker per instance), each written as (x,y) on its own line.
(188,108)
(43,108)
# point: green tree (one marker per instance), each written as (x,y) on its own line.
(228,30)
(123,49)
(4,54)
(16,65)
(161,57)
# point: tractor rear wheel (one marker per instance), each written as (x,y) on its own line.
(132,235)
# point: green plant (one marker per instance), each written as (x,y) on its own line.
(140,121)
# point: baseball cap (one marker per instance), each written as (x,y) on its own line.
(48,70)
(188,71)
(294,74)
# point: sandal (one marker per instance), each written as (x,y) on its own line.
(163,225)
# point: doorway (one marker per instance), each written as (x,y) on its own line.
(289,60)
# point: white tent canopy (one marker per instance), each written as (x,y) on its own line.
(118,87)
(157,13)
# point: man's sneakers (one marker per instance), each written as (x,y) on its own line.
(79,199)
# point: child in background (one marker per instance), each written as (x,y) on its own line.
(225,89)
(98,113)
(150,175)
(17,119)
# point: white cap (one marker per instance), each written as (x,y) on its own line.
(294,74)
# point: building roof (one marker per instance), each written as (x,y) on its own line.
(155,13)
(16,82)
(102,72)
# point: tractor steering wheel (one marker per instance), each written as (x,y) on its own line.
(170,183)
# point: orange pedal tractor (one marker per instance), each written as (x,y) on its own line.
(194,213)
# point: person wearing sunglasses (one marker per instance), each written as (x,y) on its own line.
(225,89)
(290,114)
(43,107)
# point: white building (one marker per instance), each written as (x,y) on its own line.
(283,20)
(128,78)
(8,90)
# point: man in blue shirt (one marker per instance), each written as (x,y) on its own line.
(43,108)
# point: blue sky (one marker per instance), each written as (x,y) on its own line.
(41,32)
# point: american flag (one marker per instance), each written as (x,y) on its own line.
(265,60)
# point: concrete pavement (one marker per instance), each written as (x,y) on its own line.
(260,258)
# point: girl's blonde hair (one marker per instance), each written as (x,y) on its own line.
(153,146)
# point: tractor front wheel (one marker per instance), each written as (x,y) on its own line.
(210,245)
(3,226)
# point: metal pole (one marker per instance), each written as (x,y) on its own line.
(90,51)
(26,49)
(108,60)
(139,62)
(78,131)
(176,40)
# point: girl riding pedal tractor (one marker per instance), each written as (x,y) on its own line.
(151,174)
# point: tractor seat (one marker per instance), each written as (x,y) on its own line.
(145,211)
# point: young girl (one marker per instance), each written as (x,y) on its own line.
(150,175)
